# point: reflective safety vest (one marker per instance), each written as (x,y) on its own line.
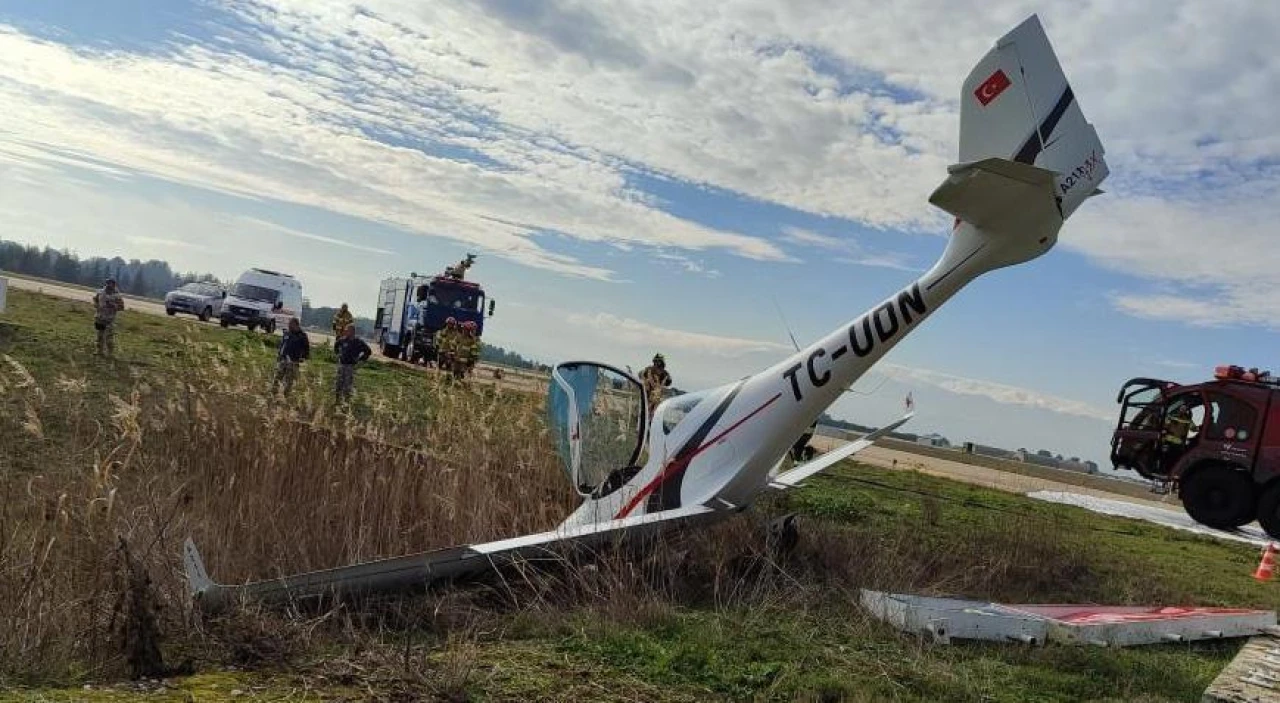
(1176,429)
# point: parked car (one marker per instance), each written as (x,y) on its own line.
(204,300)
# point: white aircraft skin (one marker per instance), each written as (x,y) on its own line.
(1028,159)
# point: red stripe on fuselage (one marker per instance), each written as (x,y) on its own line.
(678,464)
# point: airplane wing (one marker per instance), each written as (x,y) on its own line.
(792,477)
(422,568)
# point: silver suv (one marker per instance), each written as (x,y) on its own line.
(203,300)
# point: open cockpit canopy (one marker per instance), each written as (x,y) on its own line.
(598,418)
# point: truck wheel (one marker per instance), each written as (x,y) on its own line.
(1269,509)
(170,312)
(206,314)
(224,323)
(1219,497)
(391,350)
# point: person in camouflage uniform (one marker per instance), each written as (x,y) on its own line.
(351,350)
(446,344)
(106,303)
(655,378)
(468,350)
(341,319)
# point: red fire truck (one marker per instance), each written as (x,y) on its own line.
(1215,442)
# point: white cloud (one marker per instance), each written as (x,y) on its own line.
(843,109)
(847,250)
(203,118)
(259,224)
(999,392)
(165,242)
(636,333)
(1210,255)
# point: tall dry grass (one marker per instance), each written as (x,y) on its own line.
(265,486)
(101,488)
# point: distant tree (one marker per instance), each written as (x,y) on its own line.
(138,285)
(66,267)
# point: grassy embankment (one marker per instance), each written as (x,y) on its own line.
(105,466)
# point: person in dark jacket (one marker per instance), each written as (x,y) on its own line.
(295,348)
(351,350)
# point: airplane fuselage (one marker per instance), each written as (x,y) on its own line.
(720,453)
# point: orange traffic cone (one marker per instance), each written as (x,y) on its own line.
(1267,567)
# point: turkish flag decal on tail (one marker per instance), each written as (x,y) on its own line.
(992,87)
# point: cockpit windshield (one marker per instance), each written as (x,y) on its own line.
(597,416)
(677,408)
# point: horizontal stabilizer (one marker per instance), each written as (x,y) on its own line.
(998,194)
(792,478)
(1031,175)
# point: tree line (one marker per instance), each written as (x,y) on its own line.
(151,279)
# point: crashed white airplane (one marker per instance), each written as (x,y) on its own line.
(1028,159)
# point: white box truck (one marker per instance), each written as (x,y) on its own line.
(262,298)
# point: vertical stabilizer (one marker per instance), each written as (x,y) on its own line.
(1016,104)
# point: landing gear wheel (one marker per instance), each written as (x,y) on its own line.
(1269,509)
(782,534)
(1219,497)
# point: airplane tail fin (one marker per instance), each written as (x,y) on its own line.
(1017,105)
(1028,157)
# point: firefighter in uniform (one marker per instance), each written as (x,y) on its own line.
(468,350)
(655,378)
(446,345)
(1177,427)
(341,319)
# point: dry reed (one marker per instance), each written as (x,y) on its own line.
(100,489)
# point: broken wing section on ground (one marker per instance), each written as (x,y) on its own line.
(424,568)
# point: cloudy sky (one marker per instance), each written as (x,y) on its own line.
(666,175)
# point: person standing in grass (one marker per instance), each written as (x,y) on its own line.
(351,350)
(295,348)
(446,344)
(341,319)
(106,303)
(468,350)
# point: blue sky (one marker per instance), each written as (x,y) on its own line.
(657,176)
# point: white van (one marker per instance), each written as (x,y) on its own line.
(262,298)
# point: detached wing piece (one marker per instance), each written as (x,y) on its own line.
(792,477)
(423,568)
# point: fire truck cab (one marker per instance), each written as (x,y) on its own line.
(1217,443)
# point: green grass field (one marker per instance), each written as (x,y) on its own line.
(179,436)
